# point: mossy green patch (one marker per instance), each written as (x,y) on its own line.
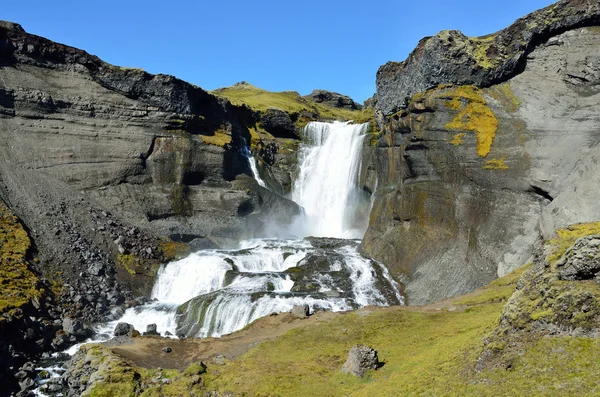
(290,102)
(424,353)
(18,284)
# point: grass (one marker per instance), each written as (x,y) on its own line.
(18,284)
(424,353)
(289,101)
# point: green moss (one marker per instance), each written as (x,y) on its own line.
(219,138)
(18,284)
(290,102)
(195,369)
(173,250)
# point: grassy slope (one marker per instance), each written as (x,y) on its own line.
(289,101)
(437,350)
(426,353)
(18,285)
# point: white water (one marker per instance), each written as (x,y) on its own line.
(327,182)
(226,290)
(252,162)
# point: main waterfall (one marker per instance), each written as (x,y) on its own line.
(214,292)
(327,182)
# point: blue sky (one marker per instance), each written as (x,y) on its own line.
(277,45)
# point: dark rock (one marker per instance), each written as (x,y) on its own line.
(124,329)
(167,349)
(279,124)
(300,311)
(333,99)
(151,330)
(360,359)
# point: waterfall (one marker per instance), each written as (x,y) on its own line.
(252,162)
(327,182)
(215,292)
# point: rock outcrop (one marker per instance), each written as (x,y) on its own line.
(333,99)
(470,177)
(450,57)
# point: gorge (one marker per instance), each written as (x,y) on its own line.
(450,223)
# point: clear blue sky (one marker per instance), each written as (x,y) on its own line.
(274,44)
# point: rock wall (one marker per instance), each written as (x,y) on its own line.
(103,163)
(469,177)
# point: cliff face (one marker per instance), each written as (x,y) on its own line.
(450,57)
(104,165)
(470,176)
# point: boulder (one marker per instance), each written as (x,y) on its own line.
(124,329)
(360,359)
(582,260)
(300,311)
(333,99)
(151,330)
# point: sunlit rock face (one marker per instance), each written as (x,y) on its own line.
(470,177)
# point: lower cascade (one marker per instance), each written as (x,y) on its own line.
(215,292)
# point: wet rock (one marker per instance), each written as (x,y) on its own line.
(300,311)
(360,359)
(151,330)
(124,329)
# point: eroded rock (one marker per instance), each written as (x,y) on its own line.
(361,358)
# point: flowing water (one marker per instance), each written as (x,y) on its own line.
(215,292)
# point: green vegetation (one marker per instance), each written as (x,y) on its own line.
(220,138)
(18,284)
(290,102)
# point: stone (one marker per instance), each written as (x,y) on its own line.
(582,260)
(220,360)
(333,99)
(300,311)
(124,329)
(360,359)
(151,330)
(167,349)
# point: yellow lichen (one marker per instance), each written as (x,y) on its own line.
(495,164)
(566,237)
(503,93)
(457,139)
(475,116)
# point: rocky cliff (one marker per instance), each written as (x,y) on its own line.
(494,149)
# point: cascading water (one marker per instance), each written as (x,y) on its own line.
(327,182)
(214,292)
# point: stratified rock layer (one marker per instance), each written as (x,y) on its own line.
(469,178)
